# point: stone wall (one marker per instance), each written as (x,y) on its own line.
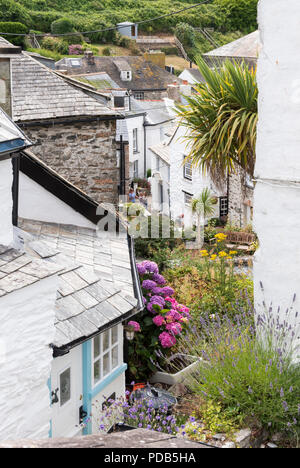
(240,200)
(83,153)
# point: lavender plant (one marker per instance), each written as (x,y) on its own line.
(250,368)
(139,414)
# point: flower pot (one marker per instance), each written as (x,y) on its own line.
(172,378)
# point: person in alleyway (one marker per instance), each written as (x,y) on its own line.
(132,196)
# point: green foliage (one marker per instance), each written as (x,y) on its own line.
(10,10)
(256,377)
(10,27)
(46,53)
(241,14)
(106,51)
(186,34)
(222,119)
(223,15)
(55,44)
(62,26)
(157,249)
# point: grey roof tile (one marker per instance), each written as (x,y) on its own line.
(39,93)
(95,285)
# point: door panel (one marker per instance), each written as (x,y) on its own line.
(66,383)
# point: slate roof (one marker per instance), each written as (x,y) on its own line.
(247,48)
(18,270)
(95,284)
(38,93)
(198,77)
(163,151)
(157,111)
(145,75)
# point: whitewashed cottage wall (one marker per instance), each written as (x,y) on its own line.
(277,193)
(27,328)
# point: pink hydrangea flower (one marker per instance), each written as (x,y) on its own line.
(167,340)
(174,328)
(158,320)
(136,326)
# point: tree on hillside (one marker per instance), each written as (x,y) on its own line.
(222,120)
(241,14)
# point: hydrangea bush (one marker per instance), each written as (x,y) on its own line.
(162,322)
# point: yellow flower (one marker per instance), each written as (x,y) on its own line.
(232,252)
(222,254)
(220,237)
(229,257)
(213,257)
(204,253)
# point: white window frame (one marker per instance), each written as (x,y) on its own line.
(136,169)
(223,206)
(109,350)
(187,198)
(187,170)
(135,135)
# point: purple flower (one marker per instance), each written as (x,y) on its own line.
(148,284)
(192,419)
(250,390)
(281,392)
(158,300)
(159,279)
(167,291)
(141,269)
(151,267)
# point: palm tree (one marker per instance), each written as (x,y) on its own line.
(203,206)
(222,120)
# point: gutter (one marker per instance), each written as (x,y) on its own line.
(58,121)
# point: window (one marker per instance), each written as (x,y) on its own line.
(126,75)
(139,96)
(135,169)
(119,101)
(106,354)
(223,206)
(135,140)
(187,170)
(65,386)
(187,198)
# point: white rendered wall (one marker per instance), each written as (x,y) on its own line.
(27,328)
(6,202)
(277,193)
(178,184)
(38,204)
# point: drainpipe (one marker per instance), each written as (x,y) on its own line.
(145,148)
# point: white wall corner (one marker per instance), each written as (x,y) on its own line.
(6,202)
(27,329)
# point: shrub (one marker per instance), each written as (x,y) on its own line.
(75,49)
(55,44)
(12,11)
(161,323)
(186,34)
(62,26)
(106,51)
(250,369)
(10,27)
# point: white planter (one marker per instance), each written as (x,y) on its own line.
(178,377)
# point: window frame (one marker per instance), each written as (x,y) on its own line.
(223,212)
(185,194)
(135,145)
(139,95)
(102,353)
(187,170)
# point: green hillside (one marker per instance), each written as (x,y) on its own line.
(223,15)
